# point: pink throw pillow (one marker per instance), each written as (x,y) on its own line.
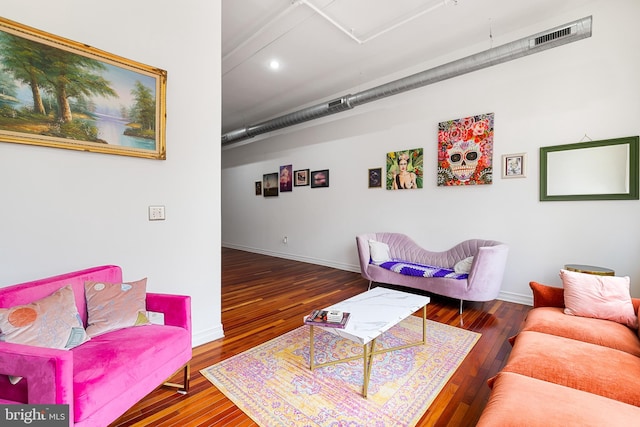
(113,306)
(600,297)
(51,322)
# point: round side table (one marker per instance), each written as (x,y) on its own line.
(590,269)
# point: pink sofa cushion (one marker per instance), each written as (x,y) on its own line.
(104,367)
(113,306)
(584,366)
(552,320)
(518,400)
(600,297)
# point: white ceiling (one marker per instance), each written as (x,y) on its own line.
(327,47)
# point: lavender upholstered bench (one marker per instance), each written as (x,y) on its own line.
(484,276)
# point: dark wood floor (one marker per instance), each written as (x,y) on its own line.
(280,292)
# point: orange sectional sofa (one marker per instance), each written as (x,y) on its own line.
(567,370)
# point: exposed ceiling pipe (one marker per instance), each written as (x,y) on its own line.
(539,42)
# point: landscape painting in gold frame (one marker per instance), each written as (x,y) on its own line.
(56,92)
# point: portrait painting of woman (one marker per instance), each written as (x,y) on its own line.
(404,169)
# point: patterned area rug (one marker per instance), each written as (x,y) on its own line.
(272,383)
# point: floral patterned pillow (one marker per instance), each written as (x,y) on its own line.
(113,306)
(51,322)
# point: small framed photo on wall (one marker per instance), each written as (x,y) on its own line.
(270,184)
(258,188)
(301,178)
(514,165)
(320,178)
(375,178)
(286,178)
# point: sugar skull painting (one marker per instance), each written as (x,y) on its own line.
(465,151)
(404,169)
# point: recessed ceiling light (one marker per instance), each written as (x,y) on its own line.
(274,64)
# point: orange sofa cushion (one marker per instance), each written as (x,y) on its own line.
(518,400)
(584,366)
(546,296)
(552,320)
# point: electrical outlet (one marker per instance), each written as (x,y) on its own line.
(285,240)
(156,213)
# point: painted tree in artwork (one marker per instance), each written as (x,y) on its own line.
(143,111)
(62,74)
(73,76)
(19,56)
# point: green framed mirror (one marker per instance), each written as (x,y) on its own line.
(593,170)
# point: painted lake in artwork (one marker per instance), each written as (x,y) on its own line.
(52,92)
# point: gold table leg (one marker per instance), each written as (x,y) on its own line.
(367,356)
(311,356)
(367,353)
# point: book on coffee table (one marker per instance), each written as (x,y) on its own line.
(327,318)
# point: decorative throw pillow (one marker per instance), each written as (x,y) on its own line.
(547,296)
(51,322)
(379,252)
(600,297)
(463,266)
(113,306)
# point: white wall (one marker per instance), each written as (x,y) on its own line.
(64,210)
(555,97)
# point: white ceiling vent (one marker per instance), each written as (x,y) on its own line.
(554,35)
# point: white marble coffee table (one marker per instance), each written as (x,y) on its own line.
(372,313)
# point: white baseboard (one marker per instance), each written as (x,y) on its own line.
(516,298)
(502,296)
(203,337)
(309,260)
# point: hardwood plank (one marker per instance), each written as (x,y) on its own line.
(280,292)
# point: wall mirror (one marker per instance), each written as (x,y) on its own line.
(593,170)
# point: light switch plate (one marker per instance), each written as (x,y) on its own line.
(156,213)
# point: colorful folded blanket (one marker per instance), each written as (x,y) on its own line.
(421,270)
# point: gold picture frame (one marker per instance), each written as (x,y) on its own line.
(56,92)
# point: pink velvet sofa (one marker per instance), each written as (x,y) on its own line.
(105,376)
(567,370)
(485,274)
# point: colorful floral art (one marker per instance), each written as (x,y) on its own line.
(465,151)
(405,169)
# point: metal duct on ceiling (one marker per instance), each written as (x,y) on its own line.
(554,37)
